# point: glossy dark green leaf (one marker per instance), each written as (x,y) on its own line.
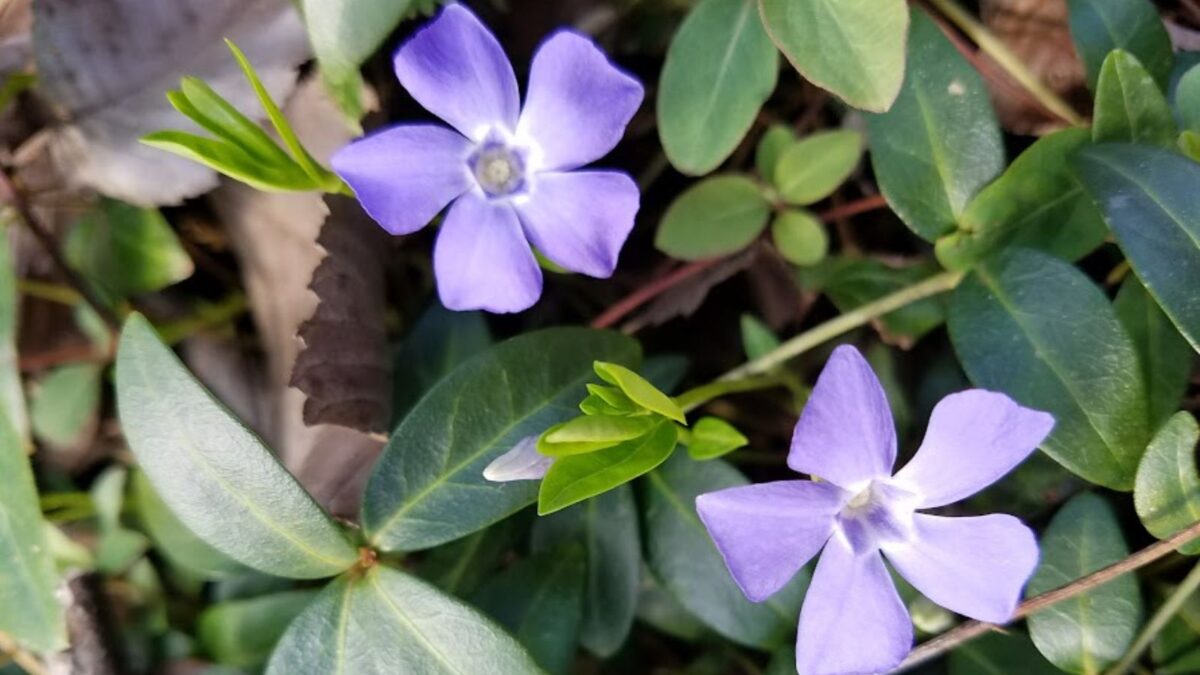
(998,653)
(715,217)
(540,601)
(1037,329)
(65,404)
(757,337)
(1100,26)
(173,539)
(1167,492)
(683,557)
(660,610)
(776,139)
(1130,108)
(712,437)
(607,528)
(1091,630)
(1187,99)
(1037,202)
(12,395)
(440,341)
(810,169)
(374,622)
(29,611)
(720,68)
(640,390)
(1166,358)
(853,282)
(215,474)
(428,487)
(940,143)
(242,633)
(573,479)
(461,565)
(127,249)
(800,237)
(853,48)
(1150,200)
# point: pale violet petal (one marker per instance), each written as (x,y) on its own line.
(522,462)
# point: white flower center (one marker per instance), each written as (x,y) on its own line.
(499,168)
(878,513)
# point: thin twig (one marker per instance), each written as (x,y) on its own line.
(30,663)
(973,629)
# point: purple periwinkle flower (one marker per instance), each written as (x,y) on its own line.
(508,173)
(853,621)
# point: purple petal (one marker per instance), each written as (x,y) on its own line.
(454,67)
(403,176)
(482,260)
(581,219)
(845,434)
(852,620)
(578,102)
(522,462)
(767,532)
(974,438)
(973,566)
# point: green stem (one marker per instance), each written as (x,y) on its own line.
(205,317)
(805,341)
(1006,59)
(698,396)
(63,295)
(1158,622)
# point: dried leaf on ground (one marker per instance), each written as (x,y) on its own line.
(686,298)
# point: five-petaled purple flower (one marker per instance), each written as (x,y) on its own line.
(853,621)
(508,170)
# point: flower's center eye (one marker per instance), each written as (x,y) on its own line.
(499,169)
(879,513)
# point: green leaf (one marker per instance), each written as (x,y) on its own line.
(604,400)
(540,601)
(1150,200)
(800,237)
(713,437)
(214,474)
(12,396)
(460,566)
(999,653)
(715,217)
(757,337)
(1130,108)
(1187,99)
(242,633)
(198,101)
(29,611)
(65,405)
(1166,358)
(573,479)
(640,391)
(440,341)
(1189,144)
(776,139)
(814,166)
(173,540)
(853,282)
(720,69)
(941,142)
(1167,492)
(1100,26)
(607,527)
(682,556)
(127,249)
(1091,630)
(428,487)
(118,548)
(375,622)
(660,610)
(853,48)
(1038,329)
(592,432)
(232,161)
(1037,202)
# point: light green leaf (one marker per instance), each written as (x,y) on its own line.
(127,249)
(800,237)
(65,404)
(12,396)
(428,487)
(757,337)
(853,48)
(1150,200)
(1100,26)
(604,400)
(1189,144)
(639,390)
(720,68)
(1167,492)
(715,217)
(999,653)
(540,601)
(173,540)
(1130,108)
(231,160)
(592,432)
(29,612)
(374,622)
(712,437)
(810,169)
(214,474)
(573,479)
(1037,202)
(683,557)
(242,633)
(1036,328)
(196,100)
(1166,358)
(1091,630)
(607,527)
(776,139)
(941,142)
